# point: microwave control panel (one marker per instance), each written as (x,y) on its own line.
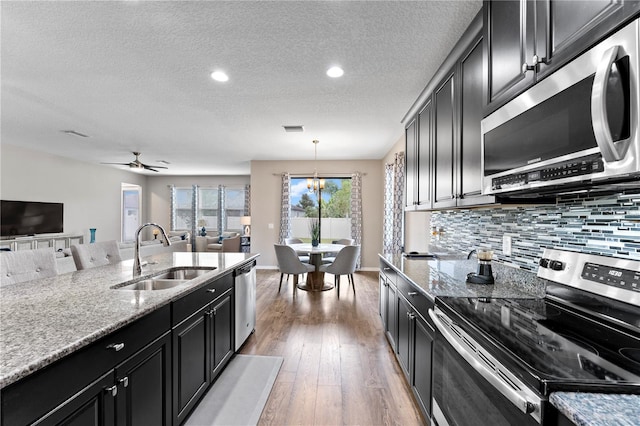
(567,169)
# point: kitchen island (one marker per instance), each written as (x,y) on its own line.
(47,322)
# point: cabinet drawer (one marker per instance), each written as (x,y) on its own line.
(39,393)
(388,271)
(420,301)
(188,305)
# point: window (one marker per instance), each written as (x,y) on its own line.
(182,211)
(218,208)
(334,209)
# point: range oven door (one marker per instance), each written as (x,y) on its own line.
(470,387)
(580,123)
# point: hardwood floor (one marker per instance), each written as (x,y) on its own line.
(338,367)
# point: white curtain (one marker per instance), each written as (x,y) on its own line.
(392,240)
(285,208)
(356,210)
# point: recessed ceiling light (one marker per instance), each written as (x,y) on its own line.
(219,76)
(335,72)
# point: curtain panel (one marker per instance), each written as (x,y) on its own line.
(356,211)
(285,208)
(393,224)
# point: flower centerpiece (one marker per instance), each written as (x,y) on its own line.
(314,230)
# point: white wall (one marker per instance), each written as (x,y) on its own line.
(416,224)
(90,192)
(265,203)
(159,196)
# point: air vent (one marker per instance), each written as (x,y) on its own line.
(293,129)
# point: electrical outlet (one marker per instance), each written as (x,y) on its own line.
(270,226)
(506,245)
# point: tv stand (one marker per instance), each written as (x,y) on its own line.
(56,241)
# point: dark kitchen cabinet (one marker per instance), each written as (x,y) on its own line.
(202,343)
(525,40)
(415,341)
(457,172)
(443,144)
(144,386)
(122,378)
(388,303)
(418,160)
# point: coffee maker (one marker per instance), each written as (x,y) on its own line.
(484,274)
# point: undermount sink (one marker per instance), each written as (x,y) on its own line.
(165,280)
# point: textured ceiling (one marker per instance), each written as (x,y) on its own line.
(134,76)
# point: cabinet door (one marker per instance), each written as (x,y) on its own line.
(222,323)
(574,26)
(392,315)
(144,386)
(411,172)
(405,315)
(509,36)
(421,374)
(383,300)
(470,147)
(425,118)
(93,406)
(443,147)
(190,363)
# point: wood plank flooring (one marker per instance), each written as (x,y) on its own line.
(338,368)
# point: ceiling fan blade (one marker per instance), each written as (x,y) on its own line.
(119,164)
(152,169)
(146,166)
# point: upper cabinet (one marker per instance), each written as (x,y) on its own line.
(525,40)
(443,138)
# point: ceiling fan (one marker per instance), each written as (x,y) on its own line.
(137,164)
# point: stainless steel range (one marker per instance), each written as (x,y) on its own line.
(497,360)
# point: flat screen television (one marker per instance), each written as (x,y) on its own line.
(30,218)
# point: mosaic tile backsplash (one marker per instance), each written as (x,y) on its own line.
(607,224)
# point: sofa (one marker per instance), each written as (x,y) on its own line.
(225,242)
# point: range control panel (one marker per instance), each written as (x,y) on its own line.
(567,169)
(617,277)
(614,278)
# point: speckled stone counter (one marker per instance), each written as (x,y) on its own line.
(41,321)
(596,409)
(447,277)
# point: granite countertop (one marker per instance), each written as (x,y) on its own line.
(43,320)
(446,276)
(597,409)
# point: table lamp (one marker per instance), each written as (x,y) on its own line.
(245,221)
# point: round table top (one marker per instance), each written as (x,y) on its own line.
(321,248)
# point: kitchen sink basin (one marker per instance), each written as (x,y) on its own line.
(165,280)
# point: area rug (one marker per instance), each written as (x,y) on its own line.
(239,394)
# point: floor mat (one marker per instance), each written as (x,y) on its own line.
(240,393)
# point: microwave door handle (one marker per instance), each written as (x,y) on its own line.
(478,365)
(599,119)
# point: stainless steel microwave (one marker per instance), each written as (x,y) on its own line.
(577,127)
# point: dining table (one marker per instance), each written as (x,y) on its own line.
(315,280)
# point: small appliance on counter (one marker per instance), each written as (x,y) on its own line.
(484,274)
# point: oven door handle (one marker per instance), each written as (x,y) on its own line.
(479,366)
(611,151)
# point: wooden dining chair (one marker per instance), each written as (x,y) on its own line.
(289,264)
(345,264)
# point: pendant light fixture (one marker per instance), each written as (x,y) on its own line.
(314,184)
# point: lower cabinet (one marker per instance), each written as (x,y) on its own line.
(151,372)
(202,346)
(403,310)
(136,392)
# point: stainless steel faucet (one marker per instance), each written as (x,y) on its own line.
(137,266)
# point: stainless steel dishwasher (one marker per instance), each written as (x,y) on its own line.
(245,288)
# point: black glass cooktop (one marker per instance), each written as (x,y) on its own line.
(550,345)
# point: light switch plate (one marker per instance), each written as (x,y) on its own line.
(506,245)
